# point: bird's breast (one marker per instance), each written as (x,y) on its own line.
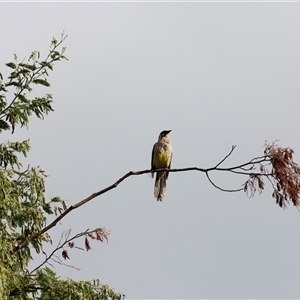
(162,160)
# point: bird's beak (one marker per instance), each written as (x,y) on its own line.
(169,131)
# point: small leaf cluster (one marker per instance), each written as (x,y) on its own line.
(20,82)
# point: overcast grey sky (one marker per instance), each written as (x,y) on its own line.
(217,74)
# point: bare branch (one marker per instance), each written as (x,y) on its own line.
(65,235)
(251,162)
(232,148)
(223,190)
(66,265)
(285,175)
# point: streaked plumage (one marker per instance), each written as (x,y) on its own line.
(161,158)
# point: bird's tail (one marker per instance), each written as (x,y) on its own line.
(160,185)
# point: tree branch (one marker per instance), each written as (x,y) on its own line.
(219,188)
(286,187)
(61,244)
(232,148)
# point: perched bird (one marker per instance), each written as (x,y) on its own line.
(161,159)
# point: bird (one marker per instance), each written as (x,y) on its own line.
(162,153)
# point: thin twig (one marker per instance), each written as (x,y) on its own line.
(60,245)
(219,188)
(232,148)
(64,264)
(251,173)
(241,166)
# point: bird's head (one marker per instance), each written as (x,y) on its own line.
(163,134)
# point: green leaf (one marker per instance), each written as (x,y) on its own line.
(23,98)
(47,208)
(2,102)
(4,125)
(46,64)
(56,199)
(64,57)
(25,71)
(54,41)
(27,66)
(55,55)
(13,75)
(11,65)
(64,205)
(41,81)
(14,83)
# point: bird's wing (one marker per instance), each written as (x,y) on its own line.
(152,160)
(169,166)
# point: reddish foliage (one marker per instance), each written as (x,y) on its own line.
(98,234)
(87,244)
(281,171)
(286,174)
(65,254)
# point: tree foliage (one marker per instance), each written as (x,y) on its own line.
(23,206)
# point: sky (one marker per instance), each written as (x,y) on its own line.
(217,75)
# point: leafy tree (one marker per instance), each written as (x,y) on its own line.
(23,205)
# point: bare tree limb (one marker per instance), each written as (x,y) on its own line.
(284,173)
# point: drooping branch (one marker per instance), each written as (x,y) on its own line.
(276,165)
(222,189)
